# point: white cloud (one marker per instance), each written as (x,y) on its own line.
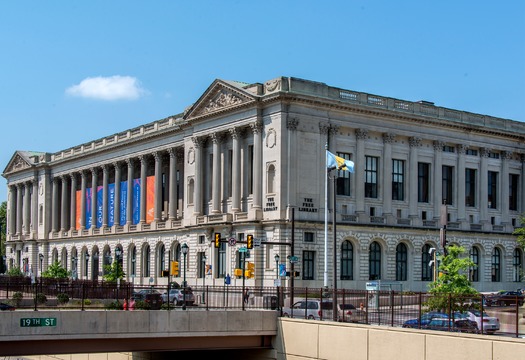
(108,88)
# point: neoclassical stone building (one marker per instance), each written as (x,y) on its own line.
(249,159)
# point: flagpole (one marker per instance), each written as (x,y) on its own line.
(326,220)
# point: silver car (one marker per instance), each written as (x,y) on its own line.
(310,309)
(176,296)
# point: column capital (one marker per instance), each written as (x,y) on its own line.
(234,133)
(361,134)
(142,159)
(129,162)
(414,141)
(461,148)
(438,145)
(324,128)
(198,141)
(216,137)
(507,155)
(256,127)
(292,123)
(105,168)
(333,129)
(484,152)
(157,156)
(389,138)
(117,164)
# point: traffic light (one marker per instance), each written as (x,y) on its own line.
(249,241)
(250,270)
(174,268)
(217,240)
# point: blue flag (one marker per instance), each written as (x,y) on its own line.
(339,163)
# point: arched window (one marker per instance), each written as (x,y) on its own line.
(401,262)
(374,261)
(517,262)
(106,262)
(133,262)
(270,178)
(474,271)
(145,261)
(63,259)
(95,264)
(161,259)
(496,265)
(426,269)
(347,260)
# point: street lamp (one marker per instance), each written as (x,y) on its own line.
(86,266)
(184,250)
(41,257)
(74,273)
(276,257)
(203,277)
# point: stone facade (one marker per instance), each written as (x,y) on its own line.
(250,159)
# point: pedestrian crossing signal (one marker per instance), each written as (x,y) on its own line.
(217,240)
(249,241)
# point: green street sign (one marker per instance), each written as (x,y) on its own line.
(36,322)
(243,249)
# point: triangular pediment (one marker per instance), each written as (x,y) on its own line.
(221,96)
(23,160)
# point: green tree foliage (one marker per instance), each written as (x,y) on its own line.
(520,232)
(452,289)
(113,272)
(56,271)
(15,271)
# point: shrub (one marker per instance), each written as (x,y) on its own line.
(17,298)
(142,305)
(63,298)
(87,302)
(114,305)
(41,298)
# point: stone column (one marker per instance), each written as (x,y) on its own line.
(105,188)
(94,204)
(414,143)
(158,187)
(54,206)
(291,178)
(460,201)
(216,174)
(129,200)
(438,178)
(73,202)
(116,207)
(361,135)
(27,208)
(388,139)
(63,203)
(505,217)
(34,206)
(83,186)
(172,202)
(143,173)
(12,210)
(484,187)
(236,170)
(197,196)
(257,129)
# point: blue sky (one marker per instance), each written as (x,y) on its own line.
(76,71)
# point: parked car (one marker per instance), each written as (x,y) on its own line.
(150,296)
(6,307)
(425,319)
(490,323)
(310,309)
(349,313)
(505,298)
(176,296)
(458,325)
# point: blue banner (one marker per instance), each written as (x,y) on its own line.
(136,201)
(111,204)
(100,195)
(89,217)
(123,202)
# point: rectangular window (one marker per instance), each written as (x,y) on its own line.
(221,260)
(202,239)
(492,190)
(308,265)
(470,187)
(448,148)
(423,184)
(343,177)
(513,191)
(398,180)
(371,177)
(201,258)
(472,152)
(308,236)
(448,181)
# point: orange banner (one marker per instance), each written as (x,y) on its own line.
(150,199)
(78,211)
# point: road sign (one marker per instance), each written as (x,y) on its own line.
(293,259)
(34,322)
(256,241)
(232,241)
(243,249)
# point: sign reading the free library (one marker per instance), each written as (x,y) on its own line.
(34,322)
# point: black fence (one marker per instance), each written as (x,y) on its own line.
(502,313)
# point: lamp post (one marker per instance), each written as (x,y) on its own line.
(41,258)
(276,257)
(184,250)
(203,277)
(118,252)
(86,266)
(74,272)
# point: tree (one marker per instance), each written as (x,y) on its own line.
(113,272)
(56,271)
(520,232)
(452,289)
